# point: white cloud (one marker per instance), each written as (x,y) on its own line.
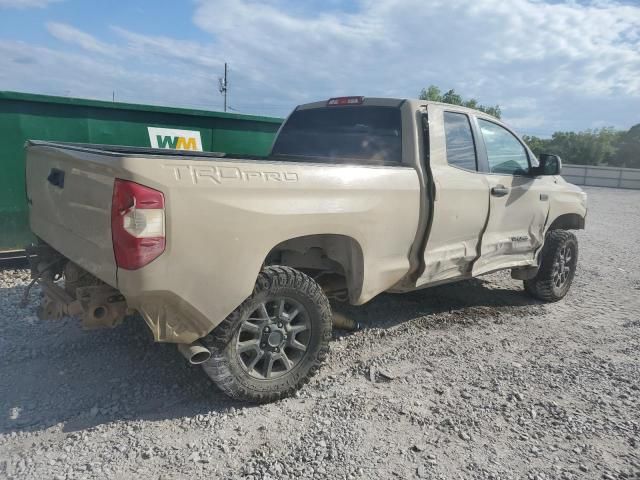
(162,48)
(549,65)
(564,46)
(491,49)
(527,122)
(26,3)
(72,35)
(80,75)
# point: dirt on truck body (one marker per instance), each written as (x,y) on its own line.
(235,259)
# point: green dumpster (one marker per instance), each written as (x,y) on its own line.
(41,117)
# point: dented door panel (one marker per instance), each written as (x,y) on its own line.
(516,226)
(460,213)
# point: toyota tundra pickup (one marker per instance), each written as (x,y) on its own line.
(234,259)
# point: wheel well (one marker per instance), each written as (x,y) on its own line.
(568,221)
(334,261)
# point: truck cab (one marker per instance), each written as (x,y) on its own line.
(491,202)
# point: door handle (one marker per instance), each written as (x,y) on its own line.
(499,191)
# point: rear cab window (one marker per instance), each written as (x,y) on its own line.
(362,134)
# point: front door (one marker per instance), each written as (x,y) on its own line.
(518,202)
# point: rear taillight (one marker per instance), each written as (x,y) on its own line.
(137,224)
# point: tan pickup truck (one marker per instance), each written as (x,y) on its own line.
(235,259)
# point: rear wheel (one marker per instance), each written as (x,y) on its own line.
(559,259)
(275,341)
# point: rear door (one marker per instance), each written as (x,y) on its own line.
(461,204)
(518,204)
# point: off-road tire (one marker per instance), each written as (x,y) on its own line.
(227,371)
(543,286)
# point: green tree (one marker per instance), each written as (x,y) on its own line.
(434,94)
(628,154)
(589,147)
(536,144)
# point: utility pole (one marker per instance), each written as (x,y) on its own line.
(223,86)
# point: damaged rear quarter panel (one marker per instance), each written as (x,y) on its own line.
(224,216)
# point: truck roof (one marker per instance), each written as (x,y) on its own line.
(393,102)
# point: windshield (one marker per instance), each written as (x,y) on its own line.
(361,135)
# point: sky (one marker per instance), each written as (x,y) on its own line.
(550,65)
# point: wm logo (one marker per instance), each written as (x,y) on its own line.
(174,139)
(176,143)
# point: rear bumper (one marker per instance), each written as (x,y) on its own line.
(99,305)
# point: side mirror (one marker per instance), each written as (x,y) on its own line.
(549,165)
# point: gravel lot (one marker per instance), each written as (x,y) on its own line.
(474,380)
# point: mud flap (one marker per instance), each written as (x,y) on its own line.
(525,273)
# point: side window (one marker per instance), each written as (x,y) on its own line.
(461,151)
(505,153)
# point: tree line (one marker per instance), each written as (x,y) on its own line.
(603,146)
(434,94)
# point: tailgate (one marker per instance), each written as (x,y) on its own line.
(69,193)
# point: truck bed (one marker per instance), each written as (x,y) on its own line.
(223,218)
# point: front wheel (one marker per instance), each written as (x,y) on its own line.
(558,262)
(275,341)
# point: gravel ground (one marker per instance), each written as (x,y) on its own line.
(474,380)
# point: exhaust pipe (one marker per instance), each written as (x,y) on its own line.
(342,322)
(195,352)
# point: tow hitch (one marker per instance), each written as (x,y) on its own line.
(81,294)
(98,306)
